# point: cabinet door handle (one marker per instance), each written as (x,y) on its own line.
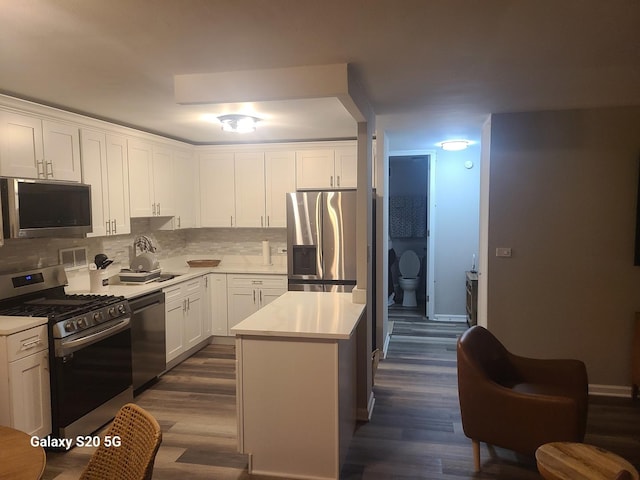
(254,296)
(31,344)
(261,221)
(338,177)
(38,165)
(260,297)
(231,220)
(158,208)
(184,305)
(178,222)
(115,227)
(153,209)
(268,221)
(49,173)
(108,227)
(331,181)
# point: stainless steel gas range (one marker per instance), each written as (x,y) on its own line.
(89,347)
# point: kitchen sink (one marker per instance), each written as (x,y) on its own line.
(167,276)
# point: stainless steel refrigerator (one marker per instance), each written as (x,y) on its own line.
(321,240)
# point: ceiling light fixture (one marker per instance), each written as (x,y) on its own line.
(454,145)
(238,123)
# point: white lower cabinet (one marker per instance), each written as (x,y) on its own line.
(216,286)
(25,395)
(248,293)
(184,313)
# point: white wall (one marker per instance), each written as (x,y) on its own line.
(562,195)
(457,211)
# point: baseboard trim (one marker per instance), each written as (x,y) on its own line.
(365,415)
(450,318)
(385,347)
(610,390)
(216,340)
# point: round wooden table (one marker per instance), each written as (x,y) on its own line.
(19,460)
(579,461)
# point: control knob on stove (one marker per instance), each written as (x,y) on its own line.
(112,311)
(98,316)
(122,309)
(82,322)
(70,326)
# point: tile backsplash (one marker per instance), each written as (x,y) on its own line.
(24,254)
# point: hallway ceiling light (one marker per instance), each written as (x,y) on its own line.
(238,123)
(454,145)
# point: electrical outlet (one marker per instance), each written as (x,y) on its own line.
(503,252)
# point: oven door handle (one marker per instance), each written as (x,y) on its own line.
(66,348)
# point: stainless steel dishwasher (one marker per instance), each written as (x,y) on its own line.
(148,352)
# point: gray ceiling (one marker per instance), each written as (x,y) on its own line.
(432,68)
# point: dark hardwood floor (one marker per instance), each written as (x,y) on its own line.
(415,432)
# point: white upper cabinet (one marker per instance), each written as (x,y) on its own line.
(246,189)
(327,168)
(105,168)
(217,190)
(315,169)
(94,158)
(20,146)
(346,167)
(35,148)
(118,184)
(249,189)
(140,178)
(151,188)
(61,151)
(163,182)
(279,179)
(185,183)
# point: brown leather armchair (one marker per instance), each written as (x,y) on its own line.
(515,402)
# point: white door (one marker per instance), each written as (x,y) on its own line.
(241,302)
(193,320)
(141,198)
(163,182)
(315,169)
(174,329)
(21,153)
(217,191)
(94,159)
(118,184)
(346,162)
(249,189)
(61,146)
(218,303)
(31,394)
(268,295)
(280,179)
(185,185)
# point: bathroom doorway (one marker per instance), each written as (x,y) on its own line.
(409,189)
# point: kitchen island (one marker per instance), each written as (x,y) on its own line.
(296,384)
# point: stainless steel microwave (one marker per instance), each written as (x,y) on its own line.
(36,208)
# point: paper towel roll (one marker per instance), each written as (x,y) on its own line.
(266,253)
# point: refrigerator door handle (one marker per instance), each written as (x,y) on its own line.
(319,239)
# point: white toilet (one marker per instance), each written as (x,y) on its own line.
(409,267)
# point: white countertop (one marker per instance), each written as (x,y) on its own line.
(11,325)
(321,315)
(79,281)
(241,264)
